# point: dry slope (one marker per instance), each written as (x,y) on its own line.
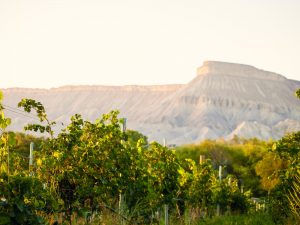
(223,100)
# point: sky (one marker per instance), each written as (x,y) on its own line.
(52,43)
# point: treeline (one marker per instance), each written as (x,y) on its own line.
(239,157)
(91,168)
(268,170)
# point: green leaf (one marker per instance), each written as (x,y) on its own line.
(12,139)
(20,206)
(298,93)
(4,219)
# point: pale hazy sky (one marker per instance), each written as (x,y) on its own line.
(50,43)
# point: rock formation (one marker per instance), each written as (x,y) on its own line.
(223,100)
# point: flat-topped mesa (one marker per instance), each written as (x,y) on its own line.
(72,88)
(234,69)
(225,100)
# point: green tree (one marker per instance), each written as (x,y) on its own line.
(286,192)
(284,197)
(268,169)
(24,200)
(4,141)
(22,197)
(134,136)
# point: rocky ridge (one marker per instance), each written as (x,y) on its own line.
(223,100)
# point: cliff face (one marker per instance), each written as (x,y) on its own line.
(223,100)
(228,99)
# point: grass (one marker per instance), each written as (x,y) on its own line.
(109,218)
(247,219)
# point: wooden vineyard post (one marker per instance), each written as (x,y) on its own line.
(202,159)
(31,157)
(166,207)
(220,179)
(121,197)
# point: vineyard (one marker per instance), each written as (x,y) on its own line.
(100,173)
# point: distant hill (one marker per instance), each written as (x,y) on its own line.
(223,100)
